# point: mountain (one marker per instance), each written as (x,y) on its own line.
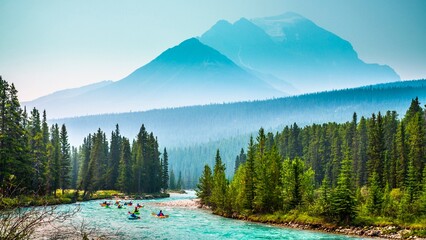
(293,48)
(188,74)
(67,94)
(193,134)
(199,124)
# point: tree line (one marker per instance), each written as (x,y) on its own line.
(131,167)
(374,167)
(38,159)
(33,157)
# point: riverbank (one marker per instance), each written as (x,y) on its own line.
(69,197)
(304,222)
(389,232)
(85,229)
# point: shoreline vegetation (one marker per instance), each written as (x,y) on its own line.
(369,175)
(69,197)
(304,222)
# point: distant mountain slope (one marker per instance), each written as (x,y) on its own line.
(188,74)
(294,49)
(67,94)
(421,83)
(198,124)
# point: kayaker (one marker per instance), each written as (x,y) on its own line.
(160,214)
(119,206)
(136,210)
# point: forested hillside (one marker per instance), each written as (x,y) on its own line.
(193,133)
(350,172)
(200,124)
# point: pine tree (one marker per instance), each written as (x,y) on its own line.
(74,167)
(65,160)
(218,196)
(375,196)
(14,159)
(274,183)
(54,159)
(402,156)
(37,152)
(412,187)
(97,165)
(125,173)
(165,170)
(361,172)
(390,124)
(249,176)
(5,163)
(46,143)
(240,159)
(146,162)
(417,143)
(413,110)
(423,193)
(261,184)
(408,208)
(323,202)
(376,148)
(336,157)
(114,158)
(236,193)
(204,187)
(83,174)
(297,183)
(294,145)
(343,203)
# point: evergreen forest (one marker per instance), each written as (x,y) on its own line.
(37,159)
(352,172)
(192,134)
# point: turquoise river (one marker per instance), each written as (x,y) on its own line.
(183,223)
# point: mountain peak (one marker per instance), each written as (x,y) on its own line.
(287,16)
(191,51)
(243,21)
(293,48)
(192,40)
(222,23)
(275,25)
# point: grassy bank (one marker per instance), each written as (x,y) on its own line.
(361,226)
(68,197)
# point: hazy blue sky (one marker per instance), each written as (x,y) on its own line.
(48,45)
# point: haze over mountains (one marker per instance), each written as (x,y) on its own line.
(188,74)
(198,124)
(294,49)
(263,58)
(193,134)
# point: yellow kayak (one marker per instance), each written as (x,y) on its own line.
(155,215)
